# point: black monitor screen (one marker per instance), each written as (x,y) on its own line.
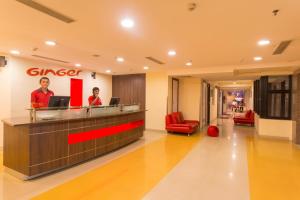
(59,101)
(114,101)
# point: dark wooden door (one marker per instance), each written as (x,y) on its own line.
(130,88)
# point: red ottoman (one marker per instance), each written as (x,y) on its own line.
(213,131)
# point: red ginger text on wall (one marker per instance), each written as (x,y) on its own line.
(35,71)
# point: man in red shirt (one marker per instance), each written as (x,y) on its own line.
(95,100)
(40,97)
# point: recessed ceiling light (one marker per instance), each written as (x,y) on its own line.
(263,42)
(77,65)
(172,53)
(257,58)
(146,67)
(50,43)
(15,52)
(108,71)
(120,59)
(189,63)
(127,23)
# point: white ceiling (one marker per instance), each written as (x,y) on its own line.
(216,34)
(228,85)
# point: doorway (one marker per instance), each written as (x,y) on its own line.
(205,104)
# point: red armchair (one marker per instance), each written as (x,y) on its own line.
(248,118)
(176,123)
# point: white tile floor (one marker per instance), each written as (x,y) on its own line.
(215,169)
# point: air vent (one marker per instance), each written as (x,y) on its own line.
(52,59)
(46,10)
(155,60)
(282,47)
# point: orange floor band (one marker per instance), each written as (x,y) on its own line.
(102,132)
(129,177)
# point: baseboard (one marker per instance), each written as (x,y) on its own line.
(156,130)
(273,137)
(297,146)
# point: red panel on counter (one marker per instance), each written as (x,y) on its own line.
(76,92)
(102,132)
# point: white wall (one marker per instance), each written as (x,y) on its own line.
(23,85)
(249,99)
(214,105)
(189,97)
(156,100)
(5,100)
(16,86)
(284,129)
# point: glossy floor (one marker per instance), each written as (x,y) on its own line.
(237,165)
(12,188)
(130,176)
(215,169)
(274,169)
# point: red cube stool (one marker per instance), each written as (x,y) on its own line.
(213,131)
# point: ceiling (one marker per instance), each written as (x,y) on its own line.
(217,34)
(230,85)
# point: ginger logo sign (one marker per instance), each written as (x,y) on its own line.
(35,71)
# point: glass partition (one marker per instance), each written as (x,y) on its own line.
(64,113)
(44,114)
(103,110)
(129,108)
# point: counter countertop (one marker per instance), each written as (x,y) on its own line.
(17,121)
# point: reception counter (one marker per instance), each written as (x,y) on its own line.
(34,147)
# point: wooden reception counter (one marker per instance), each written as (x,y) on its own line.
(32,149)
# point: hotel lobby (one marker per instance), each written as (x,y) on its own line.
(150,100)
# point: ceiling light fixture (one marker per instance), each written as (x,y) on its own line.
(15,52)
(233,156)
(172,53)
(127,23)
(263,42)
(77,65)
(108,71)
(50,43)
(257,58)
(189,63)
(120,59)
(146,67)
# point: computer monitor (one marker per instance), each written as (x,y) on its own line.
(59,101)
(114,101)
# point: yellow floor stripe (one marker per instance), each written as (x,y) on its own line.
(130,176)
(274,170)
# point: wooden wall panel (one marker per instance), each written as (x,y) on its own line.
(16,148)
(130,88)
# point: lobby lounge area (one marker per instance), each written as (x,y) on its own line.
(149,100)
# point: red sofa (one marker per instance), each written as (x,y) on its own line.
(248,118)
(176,123)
